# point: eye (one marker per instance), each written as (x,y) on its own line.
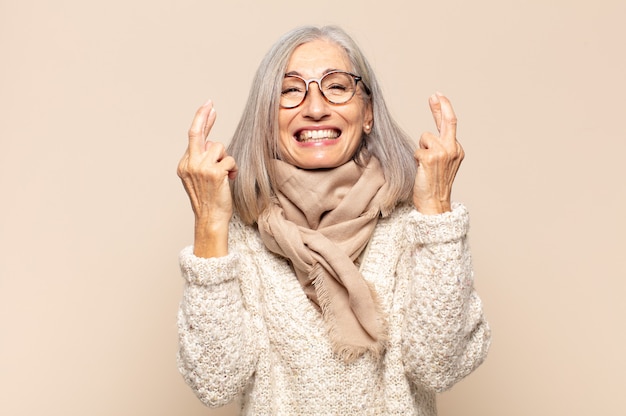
(293,86)
(291,90)
(337,86)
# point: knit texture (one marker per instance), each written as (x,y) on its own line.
(247,330)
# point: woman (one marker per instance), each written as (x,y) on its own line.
(330,273)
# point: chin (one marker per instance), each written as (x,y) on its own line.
(320,164)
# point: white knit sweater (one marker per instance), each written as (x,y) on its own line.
(248,331)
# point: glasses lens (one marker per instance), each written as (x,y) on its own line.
(338,87)
(292,92)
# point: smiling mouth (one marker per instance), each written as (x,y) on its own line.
(307,136)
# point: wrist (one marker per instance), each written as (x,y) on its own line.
(432,207)
(210,239)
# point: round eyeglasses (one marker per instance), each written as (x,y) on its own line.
(337,87)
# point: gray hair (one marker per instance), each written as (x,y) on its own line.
(255,141)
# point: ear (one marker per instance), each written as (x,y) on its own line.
(368,119)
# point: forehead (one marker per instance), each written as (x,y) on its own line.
(313,59)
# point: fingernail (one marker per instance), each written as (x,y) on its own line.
(435,98)
(208,103)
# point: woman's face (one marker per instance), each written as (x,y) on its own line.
(317,134)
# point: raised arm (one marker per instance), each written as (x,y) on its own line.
(205,170)
(445,335)
(217,351)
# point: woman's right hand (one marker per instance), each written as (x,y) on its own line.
(205,170)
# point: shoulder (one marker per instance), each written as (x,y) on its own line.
(399,217)
(246,240)
(390,230)
(240,232)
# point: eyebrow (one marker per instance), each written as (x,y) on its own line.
(324,73)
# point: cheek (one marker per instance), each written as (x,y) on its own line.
(359,114)
(356,121)
(283,132)
(284,122)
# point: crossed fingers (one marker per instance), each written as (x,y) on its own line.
(201,150)
(444,116)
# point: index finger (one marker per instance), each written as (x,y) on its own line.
(201,126)
(448,121)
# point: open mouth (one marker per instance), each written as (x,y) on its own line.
(308,136)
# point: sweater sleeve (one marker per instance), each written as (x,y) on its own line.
(445,335)
(216,353)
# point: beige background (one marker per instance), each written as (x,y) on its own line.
(95,102)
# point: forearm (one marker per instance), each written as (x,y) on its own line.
(445,334)
(217,353)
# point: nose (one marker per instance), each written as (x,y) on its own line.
(315,105)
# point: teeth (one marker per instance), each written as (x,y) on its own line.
(317,135)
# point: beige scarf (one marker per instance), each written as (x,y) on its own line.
(322,221)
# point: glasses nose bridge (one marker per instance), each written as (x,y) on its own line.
(318,81)
(324,101)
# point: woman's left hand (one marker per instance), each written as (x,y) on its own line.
(438,159)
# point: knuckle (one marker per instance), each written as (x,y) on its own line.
(209,172)
(181,170)
(230,160)
(219,147)
(194,132)
(461,153)
(427,136)
(431,157)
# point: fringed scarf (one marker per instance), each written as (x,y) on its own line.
(322,221)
